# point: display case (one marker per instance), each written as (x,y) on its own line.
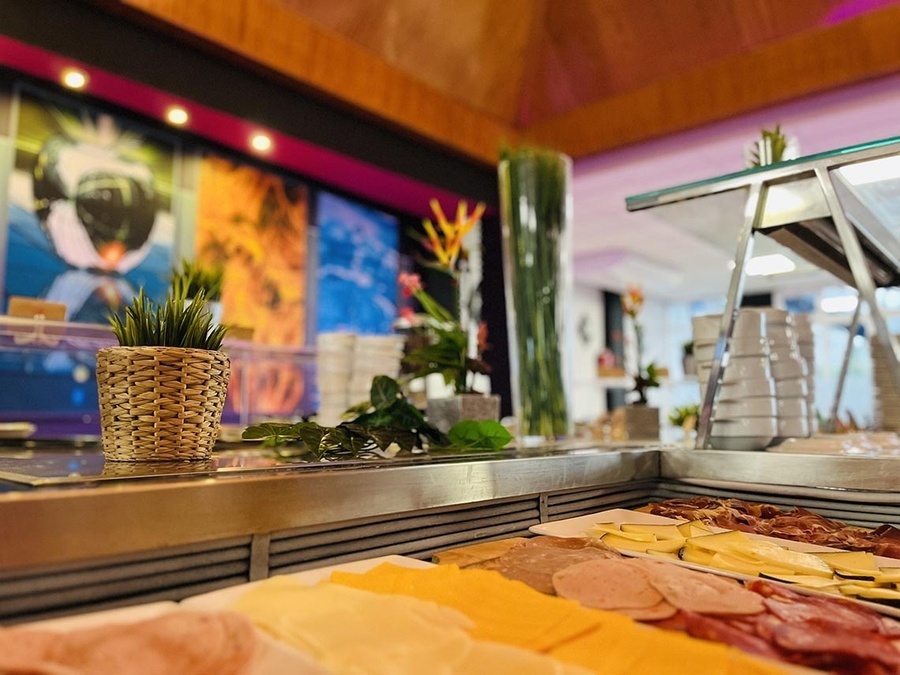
(838,210)
(48,387)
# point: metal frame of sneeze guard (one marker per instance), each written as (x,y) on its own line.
(819,231)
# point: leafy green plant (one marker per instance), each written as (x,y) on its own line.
(688,348)
(479,435)
(679,416)
(192,278)
(645,379)
(445,349)
(384,425)
(175,323)
(777,144)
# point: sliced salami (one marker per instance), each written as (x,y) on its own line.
(607,584)
(718,630)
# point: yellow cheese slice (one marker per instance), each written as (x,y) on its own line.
(352,631)
(512,612)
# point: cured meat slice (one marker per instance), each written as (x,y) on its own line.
(806,638)
(536,561)
(607,584)
(659,612)
(719,630)
(191,643)
(701,592)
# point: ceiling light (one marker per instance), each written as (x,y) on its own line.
(840,304)
(177,115)
(261,142)
(767,265)
(74,78)
(872,171)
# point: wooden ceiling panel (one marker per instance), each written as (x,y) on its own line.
(580,75)
(471,50)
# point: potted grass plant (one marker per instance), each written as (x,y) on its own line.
(194,278)
(162,390)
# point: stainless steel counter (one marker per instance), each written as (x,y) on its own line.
(102,542)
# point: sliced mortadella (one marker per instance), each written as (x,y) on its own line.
(607,584)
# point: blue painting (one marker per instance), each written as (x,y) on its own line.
(358,261)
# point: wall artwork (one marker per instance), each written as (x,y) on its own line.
(357,267)
(253,224)
(89,209)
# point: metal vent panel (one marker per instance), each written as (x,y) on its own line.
(169,574)
(574,503)
(416,535)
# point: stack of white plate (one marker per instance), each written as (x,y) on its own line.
(790,373)
(806,347)
(334,368)
(745,417)
(374,355)
(887,398)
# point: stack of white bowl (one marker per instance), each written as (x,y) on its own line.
(790,374)
(334,368)
(374,355)
(745,417)
(887,398)
(806,346)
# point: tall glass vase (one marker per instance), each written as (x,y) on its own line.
(536,214)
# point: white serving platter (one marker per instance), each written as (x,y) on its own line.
(221,599)
(577,527)
(276,658)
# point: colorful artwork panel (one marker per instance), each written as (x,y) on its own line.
(89,210)
(357,267)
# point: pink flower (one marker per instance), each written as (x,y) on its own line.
(411,283)
(408,314)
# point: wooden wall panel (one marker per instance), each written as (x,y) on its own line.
(269,33)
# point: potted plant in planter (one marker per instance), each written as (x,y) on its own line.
(163,388)
(445,345)
(195,278)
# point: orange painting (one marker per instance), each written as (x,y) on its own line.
(253,224)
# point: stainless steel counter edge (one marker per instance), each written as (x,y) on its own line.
(804,471)
(61,525)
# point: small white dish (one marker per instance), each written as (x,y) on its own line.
(746,426)
(795,388)
(741,442)
(762,406)
(749,388)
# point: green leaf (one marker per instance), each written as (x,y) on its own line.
(385,391)
(267,430)
(484,434)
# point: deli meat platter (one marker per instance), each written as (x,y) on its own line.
(586,526)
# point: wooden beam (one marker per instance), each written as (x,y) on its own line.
(815,61)
(268,33)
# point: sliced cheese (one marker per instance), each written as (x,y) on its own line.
(658,531)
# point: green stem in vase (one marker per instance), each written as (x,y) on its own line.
(533,191)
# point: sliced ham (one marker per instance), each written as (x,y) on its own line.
(701,592)
(608,584)
(536,561)
(659,612)
(184,642)
(806,638)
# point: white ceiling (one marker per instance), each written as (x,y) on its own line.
(614,248)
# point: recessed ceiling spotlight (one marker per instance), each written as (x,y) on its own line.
(177,115)
(261,142)
(74,78)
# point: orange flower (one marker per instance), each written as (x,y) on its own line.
(633,301)
(447,244)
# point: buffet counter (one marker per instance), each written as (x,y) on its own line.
(89,540)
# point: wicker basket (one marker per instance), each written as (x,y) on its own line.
(160,403)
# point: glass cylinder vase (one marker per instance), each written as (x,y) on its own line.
(536,215)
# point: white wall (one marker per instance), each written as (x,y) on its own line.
(588,399)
